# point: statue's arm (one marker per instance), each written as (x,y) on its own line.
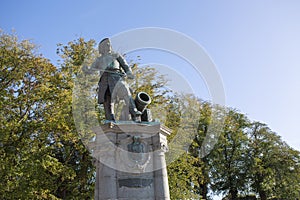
(125,66)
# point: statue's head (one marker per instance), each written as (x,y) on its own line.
(136,139)
(105,46)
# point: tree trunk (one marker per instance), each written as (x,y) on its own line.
(233,193)
(262,195)
(204,191)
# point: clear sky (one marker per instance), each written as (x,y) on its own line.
(255,44)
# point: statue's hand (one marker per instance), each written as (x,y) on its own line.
(130,76)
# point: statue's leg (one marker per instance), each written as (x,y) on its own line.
(108,106)
(130,104)
(112,108)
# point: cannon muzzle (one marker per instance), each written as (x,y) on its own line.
(142,100)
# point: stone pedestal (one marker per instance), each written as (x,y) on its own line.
(131,161)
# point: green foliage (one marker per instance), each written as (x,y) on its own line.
(75,54)
(41,154)
(185,177)
(186,172)
(247,160)
(275,166)
(229,164)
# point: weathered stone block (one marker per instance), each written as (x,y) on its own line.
(131,161)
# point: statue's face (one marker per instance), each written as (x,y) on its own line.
(105,47)
(136,139)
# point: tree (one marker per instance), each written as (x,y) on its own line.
(41,155)
(184,175)
(229,166)
(191,119)
(185,172)
(202,144)
(275,166)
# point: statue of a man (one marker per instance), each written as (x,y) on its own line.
(113,69)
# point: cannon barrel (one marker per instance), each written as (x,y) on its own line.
(142,100)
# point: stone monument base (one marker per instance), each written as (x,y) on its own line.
(131,161)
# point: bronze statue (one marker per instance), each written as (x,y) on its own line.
(113,70)
(136,146)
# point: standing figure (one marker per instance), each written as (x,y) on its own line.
(112,86)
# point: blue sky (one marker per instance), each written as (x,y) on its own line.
(254,44)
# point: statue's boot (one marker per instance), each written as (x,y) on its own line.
(109,111)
